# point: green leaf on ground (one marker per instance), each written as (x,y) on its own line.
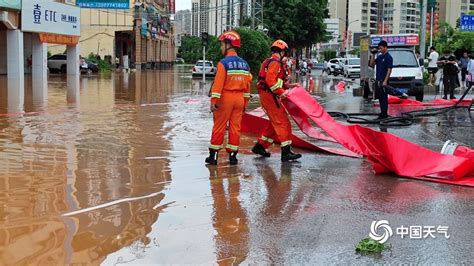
(370,246)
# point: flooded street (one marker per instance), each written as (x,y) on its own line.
(116,175)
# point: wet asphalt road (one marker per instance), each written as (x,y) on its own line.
(116,176)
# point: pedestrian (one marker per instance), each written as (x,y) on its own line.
(432,65)
(230,93)
(470,71)
(463,63)
(450,73)
(272,87)
(384,62)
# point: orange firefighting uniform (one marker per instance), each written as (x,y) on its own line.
(274,77)
(230,92)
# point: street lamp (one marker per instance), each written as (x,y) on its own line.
(347,32)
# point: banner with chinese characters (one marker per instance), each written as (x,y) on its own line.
(50,17)
(105,4)
(13,4)
(172,5)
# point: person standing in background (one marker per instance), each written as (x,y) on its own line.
(432,65)
(463,64)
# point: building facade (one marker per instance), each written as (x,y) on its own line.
(217,16)
(142,33)
(182,22)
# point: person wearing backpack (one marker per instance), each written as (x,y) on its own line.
(272,87)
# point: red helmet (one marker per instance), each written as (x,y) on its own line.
(280,44)
(232,37)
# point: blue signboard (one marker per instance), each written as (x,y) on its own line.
(106,4)
(467,23)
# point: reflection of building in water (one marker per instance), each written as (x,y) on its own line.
(108,155)
(145,87)
(229,218)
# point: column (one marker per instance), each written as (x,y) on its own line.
(39,69)
(15,71)
(73,73)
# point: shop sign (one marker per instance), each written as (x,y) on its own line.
(50,17)
(105,4)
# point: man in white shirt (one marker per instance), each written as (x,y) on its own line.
(432,65)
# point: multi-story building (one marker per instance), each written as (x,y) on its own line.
(451,10)
(143,33)
(401,16)
(182,22)
(216,16)
(200,11)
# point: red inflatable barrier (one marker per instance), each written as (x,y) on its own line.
(438,102)
(387,153)
(255,121)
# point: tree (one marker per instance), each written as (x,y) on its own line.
(298,22)
(191,49)
(255,48)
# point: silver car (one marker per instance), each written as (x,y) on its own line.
(209,68)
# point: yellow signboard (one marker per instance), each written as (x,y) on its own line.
(364,45)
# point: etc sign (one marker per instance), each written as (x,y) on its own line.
(50,17)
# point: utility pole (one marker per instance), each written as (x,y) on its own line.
(423,29)
(431,26)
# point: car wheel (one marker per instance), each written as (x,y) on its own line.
(63,69)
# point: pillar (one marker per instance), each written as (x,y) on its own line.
(73,73)
(15,71)
(39,69)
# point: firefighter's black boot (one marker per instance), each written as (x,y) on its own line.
(260,150)
(288,155)
(213,156)
(233,158)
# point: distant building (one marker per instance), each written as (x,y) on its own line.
(182,22)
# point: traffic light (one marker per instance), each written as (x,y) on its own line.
(205,38)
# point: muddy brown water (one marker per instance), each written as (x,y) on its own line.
(116,176)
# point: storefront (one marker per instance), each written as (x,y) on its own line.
(42,22)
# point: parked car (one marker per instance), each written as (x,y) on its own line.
(351,67)
(93,67)
(58,63)
(179,61)
(334,65)
(209,68)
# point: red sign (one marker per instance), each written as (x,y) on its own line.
(412,40)
(172,5)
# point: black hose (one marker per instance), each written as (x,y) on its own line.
(405,119)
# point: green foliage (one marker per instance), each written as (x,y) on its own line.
(298,22)
(329,54)
(255,48)
(104,66)
(191,49)
(370,246)
(49,54)
(453,39)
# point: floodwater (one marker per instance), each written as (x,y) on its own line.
(116,175)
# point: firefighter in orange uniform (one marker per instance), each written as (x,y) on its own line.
(272,86)
(229,97)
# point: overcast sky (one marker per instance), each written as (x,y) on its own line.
(183,4)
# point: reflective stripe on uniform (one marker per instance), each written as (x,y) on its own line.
(232,147)
(285,143)
(278,85)
(269,140)
(246,95)
(215,147)
(215,95)
(237,72)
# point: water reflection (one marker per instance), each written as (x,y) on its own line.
(229,218)
(78,186)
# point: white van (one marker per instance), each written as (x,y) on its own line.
(407,72)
